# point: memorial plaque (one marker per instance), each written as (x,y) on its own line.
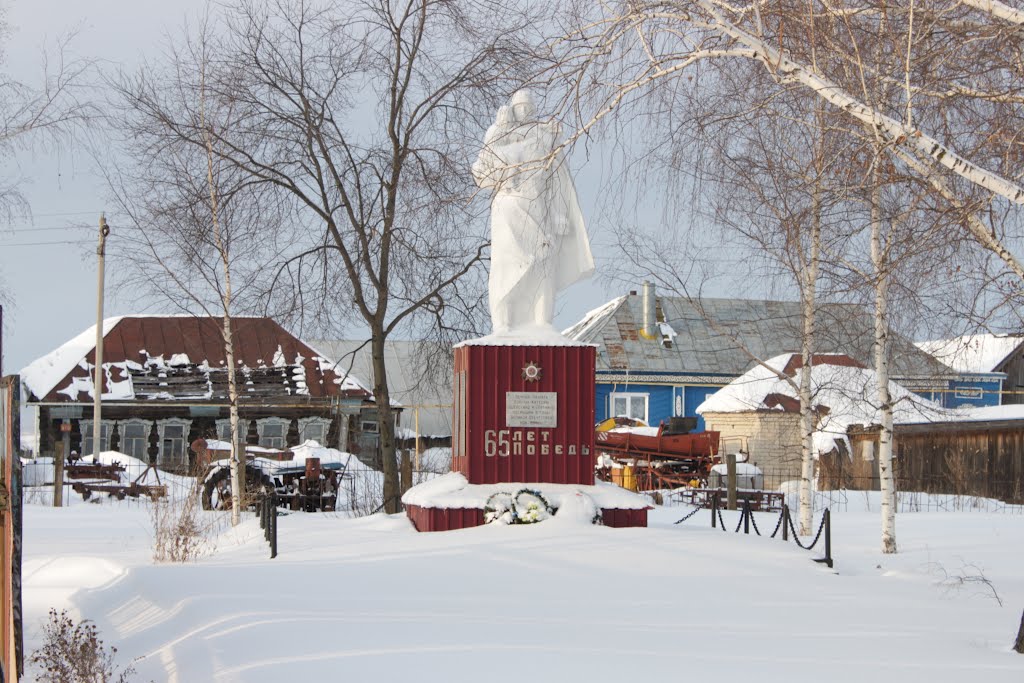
(531,409)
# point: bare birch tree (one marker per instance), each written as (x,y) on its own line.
(203,235)
(955,126)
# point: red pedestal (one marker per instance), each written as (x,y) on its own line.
(524,414)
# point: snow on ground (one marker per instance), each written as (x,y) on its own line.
(370,599)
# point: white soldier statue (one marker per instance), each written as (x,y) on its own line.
(539,243)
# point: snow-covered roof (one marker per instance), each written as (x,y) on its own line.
(849,393)
(140,353)
(973,352)
(42,375)
(1012,411)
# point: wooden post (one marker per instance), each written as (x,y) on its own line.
(58,464)
(1019,645)
(406,471)
(416,414)
(730,464)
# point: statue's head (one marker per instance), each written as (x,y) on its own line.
(522,105)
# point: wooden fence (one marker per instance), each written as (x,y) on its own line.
(961,458)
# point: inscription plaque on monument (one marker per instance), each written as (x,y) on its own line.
(531,409)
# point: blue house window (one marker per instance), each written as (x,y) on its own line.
(629,405)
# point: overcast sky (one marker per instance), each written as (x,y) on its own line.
(48,262)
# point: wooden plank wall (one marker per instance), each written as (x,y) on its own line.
(969,461)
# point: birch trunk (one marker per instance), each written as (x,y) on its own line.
(881,287)
(237,461)
(914,140)
(808,420)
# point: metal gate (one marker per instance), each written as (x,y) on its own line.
(11,654)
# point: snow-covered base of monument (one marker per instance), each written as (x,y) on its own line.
(450,502)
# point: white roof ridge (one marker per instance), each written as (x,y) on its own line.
(605,310)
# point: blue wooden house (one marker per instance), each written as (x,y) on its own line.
(661,356)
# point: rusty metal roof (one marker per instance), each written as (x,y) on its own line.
(178,358)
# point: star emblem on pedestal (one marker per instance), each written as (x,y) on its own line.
(532,371)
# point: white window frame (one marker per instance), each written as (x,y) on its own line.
(305,422)
(630,397)
(261,425)
(223,426)
(147,426)
(106,429)
(164,458)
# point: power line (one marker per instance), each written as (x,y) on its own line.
(68,213)
(40,244)
(46,229)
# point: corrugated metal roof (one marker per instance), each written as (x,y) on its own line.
(723,336)
(182,357)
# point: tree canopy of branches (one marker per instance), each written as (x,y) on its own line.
(949,113)
(362,118)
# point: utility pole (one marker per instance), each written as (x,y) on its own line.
(97,383)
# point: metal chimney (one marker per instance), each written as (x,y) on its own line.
(650,323)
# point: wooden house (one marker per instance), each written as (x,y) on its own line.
(662,356)
(976,353)
(165,385)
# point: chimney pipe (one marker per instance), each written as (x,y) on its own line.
(650,324)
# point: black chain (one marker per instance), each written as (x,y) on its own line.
(721,522)
(691,514)
(739,523)
(778,524)
(384,504)
(753,521)
(796,538)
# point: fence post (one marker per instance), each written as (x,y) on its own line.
(730,470)
(272,523)
(785,522)
(828,537)
(827,521)
(714,509)
(746,516)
